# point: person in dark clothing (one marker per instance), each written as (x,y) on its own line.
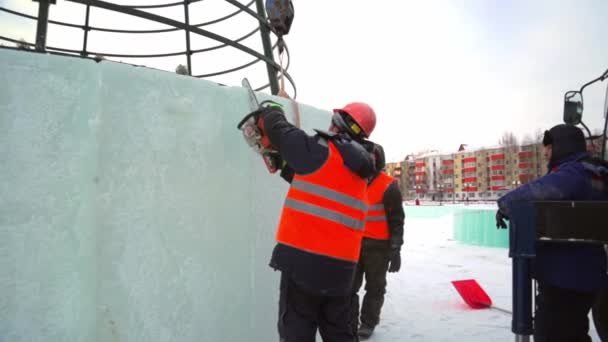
(569,276)
(321,226)
(381,247)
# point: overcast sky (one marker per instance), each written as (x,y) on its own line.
(438,73)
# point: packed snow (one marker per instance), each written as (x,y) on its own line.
(421,303)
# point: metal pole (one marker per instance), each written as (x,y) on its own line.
(188,50)
(86,32)
(43,21)
(522,239)
(522,299)
(265,32)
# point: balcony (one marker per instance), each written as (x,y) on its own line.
(525,165)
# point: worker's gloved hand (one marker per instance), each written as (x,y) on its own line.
(395,260)
(500,220)
(287,173)
(268,111)
(277,161)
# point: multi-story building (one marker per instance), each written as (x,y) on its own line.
(473,174)
(408,178)
(447,184)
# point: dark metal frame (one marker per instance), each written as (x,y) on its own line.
(527,225)
(263,27)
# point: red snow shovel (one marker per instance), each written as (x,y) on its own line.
(472,293)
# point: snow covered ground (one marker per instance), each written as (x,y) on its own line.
(422,305)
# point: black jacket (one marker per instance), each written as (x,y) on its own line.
(305,154)
(576,266)
(393,206)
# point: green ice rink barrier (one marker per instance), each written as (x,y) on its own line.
(478,227)
(429,211)
(470,226)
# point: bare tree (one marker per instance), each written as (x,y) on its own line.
(538,135)
(527,140)
(181,69)
(508,139)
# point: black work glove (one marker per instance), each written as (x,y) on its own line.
(500,220)
(287,173)
(395,260)
(278,162)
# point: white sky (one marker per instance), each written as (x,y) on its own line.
(438,73)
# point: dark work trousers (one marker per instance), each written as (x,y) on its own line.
(373,265)
(302,313)
(600,315)
(562,314)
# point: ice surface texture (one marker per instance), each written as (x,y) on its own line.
(131,209)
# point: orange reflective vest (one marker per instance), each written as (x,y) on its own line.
(324,212)
(376,225)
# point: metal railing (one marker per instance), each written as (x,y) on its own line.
(273,69)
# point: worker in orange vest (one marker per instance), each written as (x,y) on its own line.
(380,250)
(321,225)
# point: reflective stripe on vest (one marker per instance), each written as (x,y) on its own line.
(318,211)
(324,212)
(376,225)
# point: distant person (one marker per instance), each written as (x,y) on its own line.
(569,276)
(381,247)
(321,225)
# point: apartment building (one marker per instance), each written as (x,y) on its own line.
(470,174)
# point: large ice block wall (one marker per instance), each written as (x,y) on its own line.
(130,207)
(478,227)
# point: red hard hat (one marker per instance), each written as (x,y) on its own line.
(362,114)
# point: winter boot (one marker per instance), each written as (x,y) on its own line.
(365,331)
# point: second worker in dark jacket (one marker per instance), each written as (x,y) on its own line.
(321,225)
(570,276)
(381,247)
